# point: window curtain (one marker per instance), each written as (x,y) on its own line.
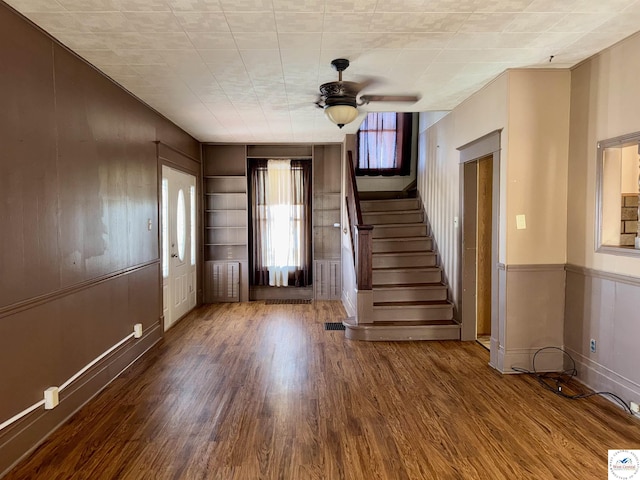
(281,222)
(384,144)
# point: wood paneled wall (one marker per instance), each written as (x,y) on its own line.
(79,265)
(604,306)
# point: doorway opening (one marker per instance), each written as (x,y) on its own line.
(480,177)
(484,222)
(178,232)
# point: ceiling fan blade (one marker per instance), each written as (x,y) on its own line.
(368,82)
(364,99)
(305,105)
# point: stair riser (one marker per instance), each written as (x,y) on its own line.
(395,261)
(409,294)
(385,205)
(386,218)
(416,230)
(404,277)
(384,246)
(412,313)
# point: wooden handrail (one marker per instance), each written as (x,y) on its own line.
(354,188)
(361,234)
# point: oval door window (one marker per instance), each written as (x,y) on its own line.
(181,230)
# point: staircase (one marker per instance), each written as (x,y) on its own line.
(410,300)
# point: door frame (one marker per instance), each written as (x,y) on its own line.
(488,145)
(169,156)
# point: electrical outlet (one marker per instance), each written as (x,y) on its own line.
(592,345)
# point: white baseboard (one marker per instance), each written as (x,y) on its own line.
(601,379)
(347,303)
(551,360)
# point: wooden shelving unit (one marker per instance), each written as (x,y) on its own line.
(225,224)
(327,227)
(226,217)
(225,235)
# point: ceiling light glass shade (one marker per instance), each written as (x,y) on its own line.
(341,114)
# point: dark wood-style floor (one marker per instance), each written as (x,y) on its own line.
(255,391)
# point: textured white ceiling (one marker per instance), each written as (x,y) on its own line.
(249,70)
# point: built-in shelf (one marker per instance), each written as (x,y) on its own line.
(229,202)
(283,157)
(225,223)
(243,177)
(212,210)
(226,216)
(327,201)
(227,244)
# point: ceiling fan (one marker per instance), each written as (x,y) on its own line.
(340,99)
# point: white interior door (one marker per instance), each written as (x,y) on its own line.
(178,244)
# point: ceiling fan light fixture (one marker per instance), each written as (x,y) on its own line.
(341,114)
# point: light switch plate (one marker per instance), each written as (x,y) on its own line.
(521,222)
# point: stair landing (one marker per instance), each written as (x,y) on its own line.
(434,330)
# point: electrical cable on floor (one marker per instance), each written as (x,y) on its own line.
(554,381)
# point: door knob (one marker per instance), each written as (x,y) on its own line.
(173,255)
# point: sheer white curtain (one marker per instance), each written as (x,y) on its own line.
(378,141)
(384,144)
(281,222)
(281,245)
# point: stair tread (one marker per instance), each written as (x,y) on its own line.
(412,269)
(403,330)
(400,224)
(422,303)
(389,200)
(382,229)
(392,212)
(402,239)
(392,225)
(395,199)
(350,321)
(401,286)
(405,253)
(384,207)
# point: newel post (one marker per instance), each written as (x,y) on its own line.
(364,256)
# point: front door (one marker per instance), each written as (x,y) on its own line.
(178,244)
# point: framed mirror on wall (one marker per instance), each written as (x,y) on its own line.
(617,193)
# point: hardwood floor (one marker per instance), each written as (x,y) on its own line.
(255,391)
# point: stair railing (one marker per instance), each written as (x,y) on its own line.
(361,234)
